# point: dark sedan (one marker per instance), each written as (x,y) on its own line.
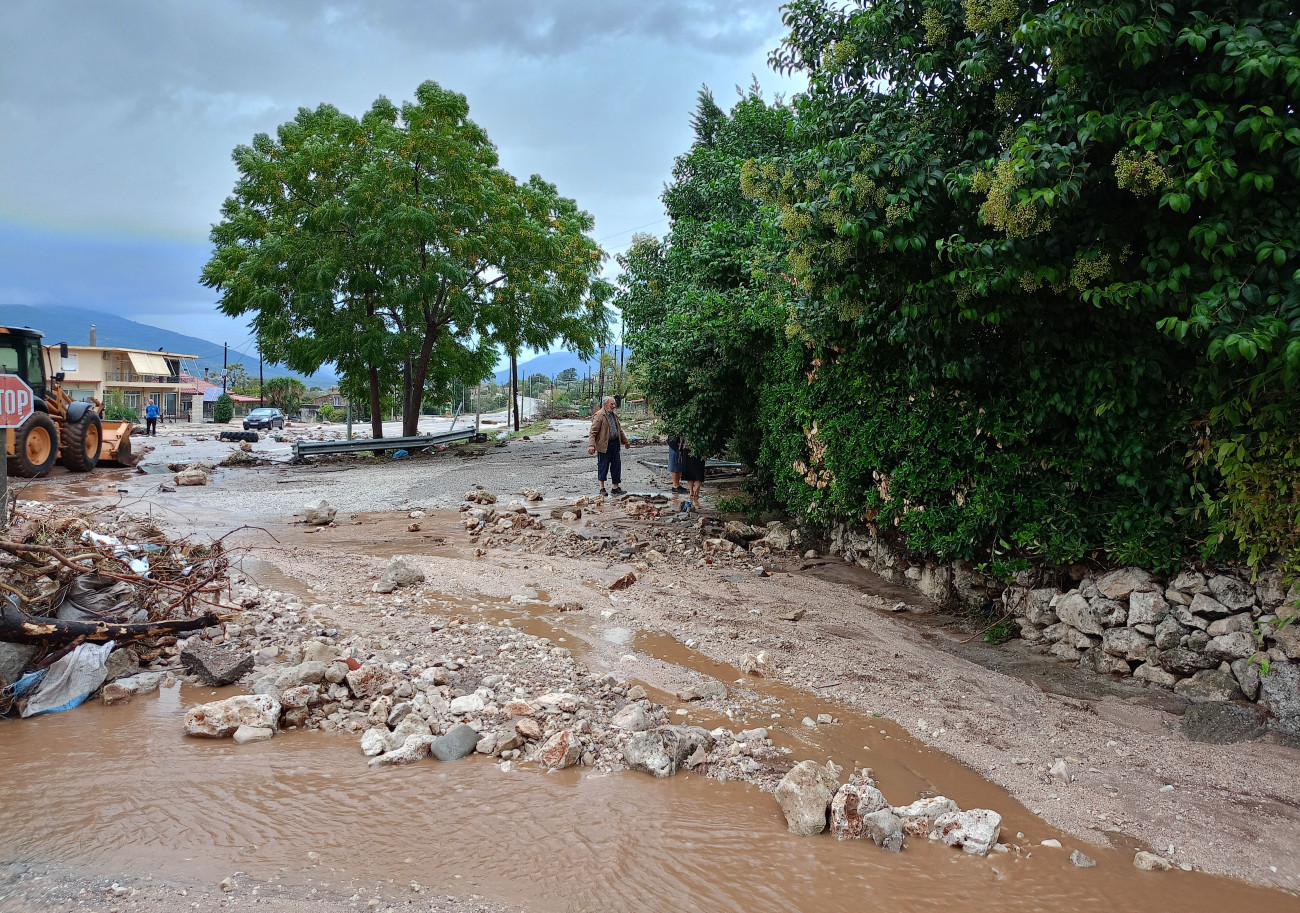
(270,419)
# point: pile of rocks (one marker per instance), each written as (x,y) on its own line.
(1214,639)
(512,519)
(458,689)
(811,793)
(661,536)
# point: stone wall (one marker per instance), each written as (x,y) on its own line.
(1213,638)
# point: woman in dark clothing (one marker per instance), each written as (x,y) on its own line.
(675,464)
(692,475)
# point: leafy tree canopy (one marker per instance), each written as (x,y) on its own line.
(381,242)
(1029,272)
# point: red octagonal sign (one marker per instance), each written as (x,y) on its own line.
(15,401)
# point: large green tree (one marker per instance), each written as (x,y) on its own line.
(284,393)
(380,242)
(1025,280)
(1067,228)
(702,320)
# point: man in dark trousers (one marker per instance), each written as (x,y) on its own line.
(151,419)
(606,439)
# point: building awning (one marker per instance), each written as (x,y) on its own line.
(148,363)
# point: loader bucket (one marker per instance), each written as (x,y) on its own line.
(117,443)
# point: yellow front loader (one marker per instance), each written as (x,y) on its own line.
(61,427)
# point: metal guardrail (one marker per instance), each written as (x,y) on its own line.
(415,442)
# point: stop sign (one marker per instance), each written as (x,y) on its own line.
(15,401)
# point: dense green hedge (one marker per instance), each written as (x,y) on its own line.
(1017,280)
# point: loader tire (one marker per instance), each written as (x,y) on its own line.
(36,447)
(81,442)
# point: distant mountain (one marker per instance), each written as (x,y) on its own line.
(550,364)
(72,325)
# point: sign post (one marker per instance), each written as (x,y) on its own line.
(16,406)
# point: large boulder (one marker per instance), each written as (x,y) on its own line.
(13,660)
(458,742)
(850,807)
(1038,608)
(1127,643)
(561,750)
(1150,672)
(399,573)
(1169,633)
(1223,722)
(1109,612)
(662,751)
(219,719)
(1210,685)
(318,513)
(805,795)
(215,666)
(191,476)
(415,748)
(919,817)
(1208,607)
(884,828)
(1232,592)
(1119,584)
(1075,611)
(1247,675)
(707,690)
(1229,647)
(975,831)
(631,718)
(1103,663)
(1181,661)
(1279,690)
(1146,608)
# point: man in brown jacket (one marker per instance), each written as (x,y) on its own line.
(606,440)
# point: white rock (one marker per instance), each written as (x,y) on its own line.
(416,748)
(631,718)
(318,513)
(219,719)
(246,734)
(805,795)
(919,817)
(467,703)
(374,741)
(974,831)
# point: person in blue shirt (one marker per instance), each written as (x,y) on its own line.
(151,419)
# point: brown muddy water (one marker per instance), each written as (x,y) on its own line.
(119,788)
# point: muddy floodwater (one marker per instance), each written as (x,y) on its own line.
(112,788)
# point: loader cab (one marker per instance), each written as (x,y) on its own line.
(20,353)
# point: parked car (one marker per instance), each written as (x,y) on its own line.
(270,419)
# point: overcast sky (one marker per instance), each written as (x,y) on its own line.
(117,119)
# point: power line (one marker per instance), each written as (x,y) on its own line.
(625,231)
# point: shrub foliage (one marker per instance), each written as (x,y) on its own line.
(1018,281)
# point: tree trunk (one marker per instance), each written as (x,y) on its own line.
(376,419)
(514,388)
(600,398)
(20,628)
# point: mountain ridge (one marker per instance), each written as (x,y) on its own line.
(72,325)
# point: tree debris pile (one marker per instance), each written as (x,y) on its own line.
(67,580)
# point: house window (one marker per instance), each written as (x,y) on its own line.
(170,404)
(133,401)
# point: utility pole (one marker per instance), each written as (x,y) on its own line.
(225,355)
(260,382)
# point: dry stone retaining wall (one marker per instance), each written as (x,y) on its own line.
(1216,639)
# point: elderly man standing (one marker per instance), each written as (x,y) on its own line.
(606,439)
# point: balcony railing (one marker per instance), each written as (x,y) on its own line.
(130,377)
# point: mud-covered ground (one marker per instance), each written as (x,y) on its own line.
(698,611)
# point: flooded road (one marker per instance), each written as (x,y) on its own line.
(129,791)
